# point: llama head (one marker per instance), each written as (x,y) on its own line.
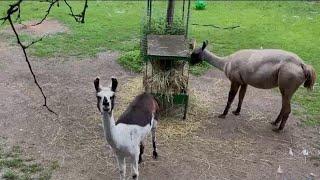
(105,95)
(197,55)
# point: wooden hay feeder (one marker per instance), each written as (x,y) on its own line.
(166,52)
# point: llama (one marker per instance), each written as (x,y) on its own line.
(264,69)
(127,134)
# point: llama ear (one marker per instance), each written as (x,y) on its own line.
(192,44)
(96,84)
(204,45)
(114,84)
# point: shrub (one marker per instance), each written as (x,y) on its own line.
(131,60)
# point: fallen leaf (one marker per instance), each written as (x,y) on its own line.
(279,171)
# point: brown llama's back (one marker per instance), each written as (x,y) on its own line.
(140,110)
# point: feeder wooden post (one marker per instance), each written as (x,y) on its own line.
(166,49)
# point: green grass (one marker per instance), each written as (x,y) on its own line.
(200,69)
(14,166)
(114,25)
(10,175)
(131,60)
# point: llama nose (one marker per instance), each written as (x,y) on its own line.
(105,102)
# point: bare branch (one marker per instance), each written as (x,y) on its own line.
(48,12)
(29,64)
(83,13)
(78,17)
(19,12)
(33,42)
(71,11)
(16,7)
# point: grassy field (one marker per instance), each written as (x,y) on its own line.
(293,26)
(14,166)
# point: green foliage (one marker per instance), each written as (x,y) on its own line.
(131,60)
(200,5)
(159,26)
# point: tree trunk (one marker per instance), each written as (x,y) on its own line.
(170,13)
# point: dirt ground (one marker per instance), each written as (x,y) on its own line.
(203,147)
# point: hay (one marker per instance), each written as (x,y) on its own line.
(166,78)
(167,82)
(169,127)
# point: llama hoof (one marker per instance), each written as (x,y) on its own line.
(222,116)
(134,176)
(273,123)
(277,130)
(236,113)
(155,155)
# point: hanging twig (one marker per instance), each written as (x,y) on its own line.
(71,11)
(214,26)
(83,13)
(14,8)
(19,12)
(48,12)
(33,42)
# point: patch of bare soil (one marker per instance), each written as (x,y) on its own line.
(47,27)
(203,147)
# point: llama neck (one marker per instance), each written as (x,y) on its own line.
(109,128)
(216,61)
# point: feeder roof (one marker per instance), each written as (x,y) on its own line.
(168,46)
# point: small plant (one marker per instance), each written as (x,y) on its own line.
(131,60)
(200,5)
(11,162)
(32,168)
(10,175)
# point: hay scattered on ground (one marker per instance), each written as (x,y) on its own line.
(169,127)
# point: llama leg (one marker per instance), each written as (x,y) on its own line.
(135,165)
(286,112)
(122,166)
(242,92)
(280,116)
(287,94)
(153,132)
(232,93)
(141,152)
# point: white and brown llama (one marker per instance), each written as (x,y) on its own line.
(260,68)
(127,134)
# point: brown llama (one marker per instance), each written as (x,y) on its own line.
(261,68)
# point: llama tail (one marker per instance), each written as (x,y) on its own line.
(310,75)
